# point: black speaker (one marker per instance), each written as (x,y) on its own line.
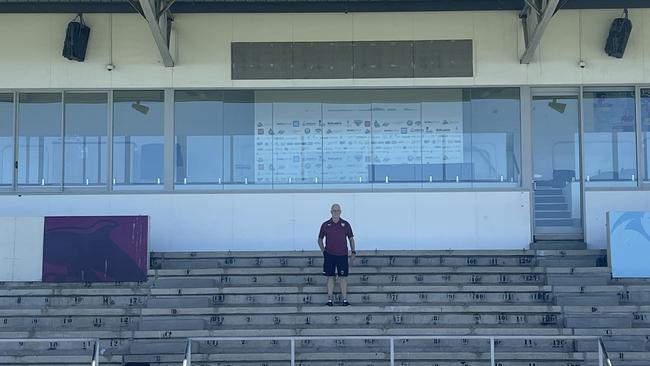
(76,40)
(619,33)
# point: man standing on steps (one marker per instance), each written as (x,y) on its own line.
(336,232)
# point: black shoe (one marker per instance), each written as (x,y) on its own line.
(345,303)
(329,303)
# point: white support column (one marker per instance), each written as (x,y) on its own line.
(159,18)
(638,128)
(169,143)
(492,352)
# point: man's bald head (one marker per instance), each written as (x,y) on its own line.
(336,211)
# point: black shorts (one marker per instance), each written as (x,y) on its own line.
(335,265)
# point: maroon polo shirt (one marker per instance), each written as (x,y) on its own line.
(336,235)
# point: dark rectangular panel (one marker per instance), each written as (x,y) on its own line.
(443,58)
(322,60)
(383,59)
(261,60)
(95,248)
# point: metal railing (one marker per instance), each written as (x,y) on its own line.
(187,361)
(95,357)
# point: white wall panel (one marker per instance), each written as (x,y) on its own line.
(92,72)
(7,247)
(444,25)
(323,27)
(383,26)
(488,215)
(28,265)
(203,56)
(263,27)
(442,220)
(312,209)
(598,203)
(557,57)
(290,221)
(26,58)
(645,43)
(497,37)
(21,248)
(211,228)
(602,68)
(201,47)
(263,222)
(137,60)
(385,221)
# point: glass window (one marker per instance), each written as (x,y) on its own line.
(296,136)
(39,140)
(396,136)
(86,137)
(446,136)
(496,135)
(555,140)
(198,125)
(609,137)
(6,140)
(645,127)
(247,145)
(138,127)
(347,128)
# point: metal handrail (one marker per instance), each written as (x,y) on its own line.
(95,356)
(187,361)
(602,351)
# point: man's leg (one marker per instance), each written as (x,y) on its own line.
(329,271)
(343,278)
(344,287)
(330,287)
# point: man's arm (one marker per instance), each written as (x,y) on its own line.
(321,235)
(354,252)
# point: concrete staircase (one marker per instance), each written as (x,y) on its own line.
(552,208)
(503,293)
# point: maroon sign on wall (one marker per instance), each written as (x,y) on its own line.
(95,248)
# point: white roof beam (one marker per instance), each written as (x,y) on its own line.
(535,18)
(159,19)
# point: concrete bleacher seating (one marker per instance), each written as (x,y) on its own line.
(469,293)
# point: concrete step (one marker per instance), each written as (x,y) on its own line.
(552,214)
(598,321)
(539,207)
(616,344)
(559,245)
(362,260)
(373,298)
(541,222)
(578,279)
(548,191)
(187,260)
(354,266)
(587,299)
(354,280)
(550,199)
